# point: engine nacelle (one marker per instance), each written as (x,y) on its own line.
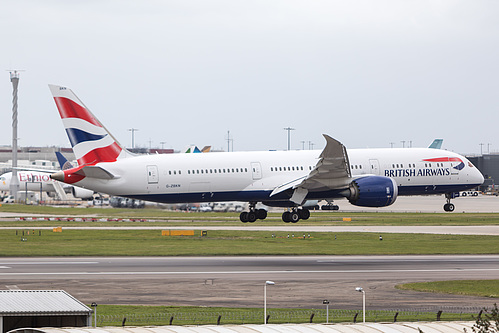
(373,191)
(83,193)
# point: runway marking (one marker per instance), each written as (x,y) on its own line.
(259,272)
(50,263)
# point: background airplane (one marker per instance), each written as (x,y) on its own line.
(292,179)
(40,181)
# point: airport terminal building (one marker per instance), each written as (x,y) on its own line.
(488,164)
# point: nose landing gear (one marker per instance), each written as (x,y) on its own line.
(449,207)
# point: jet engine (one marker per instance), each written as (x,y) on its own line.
(372,191)
(82,193)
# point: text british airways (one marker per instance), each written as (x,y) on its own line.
(417,173)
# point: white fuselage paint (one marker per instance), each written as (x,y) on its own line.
(252,176)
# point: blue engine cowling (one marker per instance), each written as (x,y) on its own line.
(373,191)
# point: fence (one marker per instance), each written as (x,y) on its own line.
(281,316)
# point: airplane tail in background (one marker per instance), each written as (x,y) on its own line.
(91,141)
(63,161)
(436,144)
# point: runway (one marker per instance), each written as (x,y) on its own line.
(301,282)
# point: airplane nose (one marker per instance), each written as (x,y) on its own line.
(59,175)
(478,177)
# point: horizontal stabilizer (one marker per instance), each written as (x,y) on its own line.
(93,171)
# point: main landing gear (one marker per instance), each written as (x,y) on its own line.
(295,215)
(253,214)
(449,207)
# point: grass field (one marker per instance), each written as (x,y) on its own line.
(159,217)
(221,242)
(483,288)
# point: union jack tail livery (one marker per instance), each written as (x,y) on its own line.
(91,141)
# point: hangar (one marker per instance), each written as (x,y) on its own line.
(41,308)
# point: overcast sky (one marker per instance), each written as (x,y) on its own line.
(368,73)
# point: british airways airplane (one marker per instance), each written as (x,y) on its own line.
(290,179)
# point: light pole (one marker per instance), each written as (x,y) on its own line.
(270,283)
(360,290)
(327,310)
(133,130)
(94,305)
(289,129)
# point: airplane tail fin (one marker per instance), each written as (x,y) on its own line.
(63,161)
(91,141)
(436,144)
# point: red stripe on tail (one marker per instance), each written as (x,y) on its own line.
(105,154)
(69,109)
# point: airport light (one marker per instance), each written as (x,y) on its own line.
(133,130)
(94,306)
(267,283)
(327,310)
(360,290)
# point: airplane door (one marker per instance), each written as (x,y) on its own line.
(152,174)
(374,167)
(256,170)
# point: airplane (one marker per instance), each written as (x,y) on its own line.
(39,180)
(288,179)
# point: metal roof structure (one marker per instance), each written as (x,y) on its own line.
(40,302)
(427,327)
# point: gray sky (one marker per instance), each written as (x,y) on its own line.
(368,73)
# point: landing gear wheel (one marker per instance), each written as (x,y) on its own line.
(294,217)
(304,213)
(286,217)
(243,217)
(251,217)
(261,214)
(448,207)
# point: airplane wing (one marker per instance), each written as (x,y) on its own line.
(331,172)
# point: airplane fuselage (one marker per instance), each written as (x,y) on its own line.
(252,176)
(28,180)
